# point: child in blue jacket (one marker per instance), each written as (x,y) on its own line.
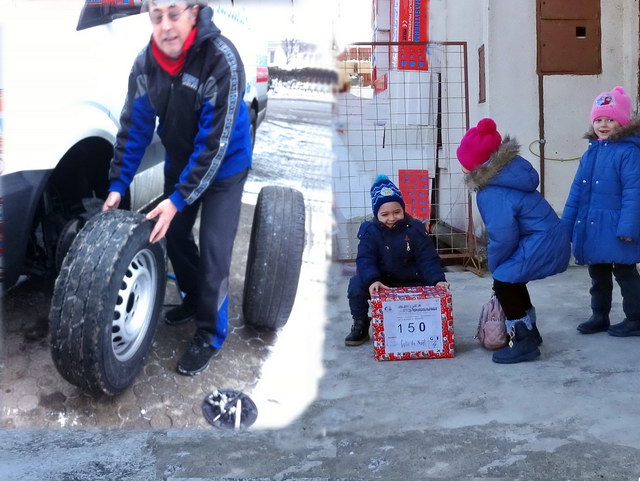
(603,209)
(527,240)
(394,251)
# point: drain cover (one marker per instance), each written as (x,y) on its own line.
(228,409)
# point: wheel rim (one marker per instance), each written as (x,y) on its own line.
(134,306)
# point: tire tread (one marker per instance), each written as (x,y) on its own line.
(275,257)
(82,302)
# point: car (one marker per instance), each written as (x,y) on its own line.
(63,84)
(63,100)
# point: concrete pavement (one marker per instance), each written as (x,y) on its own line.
(571,415)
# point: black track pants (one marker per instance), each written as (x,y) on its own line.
(202,274)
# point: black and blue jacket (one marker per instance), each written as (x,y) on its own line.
(203,121)
(403,255)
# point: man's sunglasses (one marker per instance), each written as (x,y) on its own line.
(173,14)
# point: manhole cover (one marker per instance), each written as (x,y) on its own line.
(228,409)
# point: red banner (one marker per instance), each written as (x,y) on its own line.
(412,24)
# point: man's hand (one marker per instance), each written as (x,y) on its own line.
(165,213)
(376,286)
(112,202)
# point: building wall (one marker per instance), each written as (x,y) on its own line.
(568,98)
(512,83)
(507,28)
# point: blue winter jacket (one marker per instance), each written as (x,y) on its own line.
(527,240)
(203,121)
(604,201)
(402,256)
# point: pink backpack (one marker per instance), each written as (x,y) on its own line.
(492,332)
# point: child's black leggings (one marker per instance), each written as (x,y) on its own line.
(514,298)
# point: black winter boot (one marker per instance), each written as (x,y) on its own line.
(531,312)
(359,332)
(536,334)
(596,323)
(523,345)
(625,328)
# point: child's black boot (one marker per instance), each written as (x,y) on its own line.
(531,312)
(598,322)
(359,332)
(625,328)
(523,345)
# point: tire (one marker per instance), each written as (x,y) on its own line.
(106,302)
(275,257)
(69,232)
(90,207)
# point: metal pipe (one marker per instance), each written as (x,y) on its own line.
(541,128)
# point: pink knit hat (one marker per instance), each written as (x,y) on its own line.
(478,144)
(614,104)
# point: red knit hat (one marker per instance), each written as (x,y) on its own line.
(478,144)
(614,104)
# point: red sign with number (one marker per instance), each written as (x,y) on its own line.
(412,27)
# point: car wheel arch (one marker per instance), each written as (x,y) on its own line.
(81,173)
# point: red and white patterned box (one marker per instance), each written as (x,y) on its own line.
(412,323)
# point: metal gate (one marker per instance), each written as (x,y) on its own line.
(405,120)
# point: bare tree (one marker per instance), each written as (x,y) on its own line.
(291,47)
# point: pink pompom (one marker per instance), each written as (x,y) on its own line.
(487,126)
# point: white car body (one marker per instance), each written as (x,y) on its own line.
(63,93)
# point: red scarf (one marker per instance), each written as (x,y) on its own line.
(168,64)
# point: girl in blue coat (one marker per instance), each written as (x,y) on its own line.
(394,250)
(603,209)
(527,240)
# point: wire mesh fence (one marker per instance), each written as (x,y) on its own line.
(401,111)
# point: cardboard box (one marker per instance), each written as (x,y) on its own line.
(412,323)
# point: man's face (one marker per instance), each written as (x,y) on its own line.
(172,24)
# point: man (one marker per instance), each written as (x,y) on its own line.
(192,79)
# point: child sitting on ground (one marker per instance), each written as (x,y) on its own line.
(603,210)
(394,251)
